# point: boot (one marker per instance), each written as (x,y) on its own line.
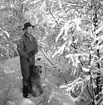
(25,91)
(29,86)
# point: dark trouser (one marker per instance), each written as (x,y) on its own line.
(25,70)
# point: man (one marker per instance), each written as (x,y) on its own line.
(27,48)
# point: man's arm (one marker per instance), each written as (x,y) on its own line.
(20,49)
(35,50)
(36,46)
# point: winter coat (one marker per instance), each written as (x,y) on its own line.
(25,46)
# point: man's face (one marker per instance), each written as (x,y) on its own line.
(30,30)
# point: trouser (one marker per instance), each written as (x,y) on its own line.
(25,70)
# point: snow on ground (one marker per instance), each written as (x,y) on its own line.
(10,73)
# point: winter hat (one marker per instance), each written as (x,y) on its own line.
(27,24)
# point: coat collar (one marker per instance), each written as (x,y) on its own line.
(25,34)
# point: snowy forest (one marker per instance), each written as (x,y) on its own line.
(69,34)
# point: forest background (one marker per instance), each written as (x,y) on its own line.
(70,39)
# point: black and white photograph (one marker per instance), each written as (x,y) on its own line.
(51,52)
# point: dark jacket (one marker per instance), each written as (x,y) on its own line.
(25,46)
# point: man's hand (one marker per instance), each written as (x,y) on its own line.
(30,59)
(32,53)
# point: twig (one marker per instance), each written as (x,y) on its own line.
(89,91)
(54,17)
(6,92)
(54,66)
(48,59)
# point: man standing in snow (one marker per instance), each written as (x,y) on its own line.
(27,48)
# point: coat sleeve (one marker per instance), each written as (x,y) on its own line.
(36,47)
(20,49)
